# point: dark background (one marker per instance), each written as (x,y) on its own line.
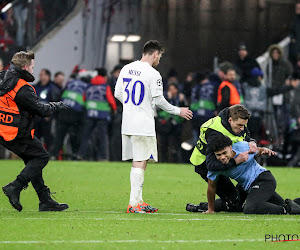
(194,31)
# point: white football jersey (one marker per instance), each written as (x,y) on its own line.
(136,86)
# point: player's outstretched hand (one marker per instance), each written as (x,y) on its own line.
(266,151)
(242,157)
(186,113)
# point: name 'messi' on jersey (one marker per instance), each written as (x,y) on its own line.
(134,72)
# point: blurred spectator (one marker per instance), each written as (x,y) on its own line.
(297,68)
(222,71)
(245,63)
(2,31)
(114,76)
(70,121)
(58,80)
(56,10)
(294,129)
(1,65)
(255,100)
(20,13)
(294,50)
(188,84)
(281,70)
(115,128)
(43,124)
(10,25)
(172,77)
(99,102)
(203,102)
(228,94)
(169,128)
(40,17)
(56,93)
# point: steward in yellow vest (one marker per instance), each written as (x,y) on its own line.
(231,122)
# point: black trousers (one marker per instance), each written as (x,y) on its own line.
(43,130)
(73,128)
(35,158)
(262,198)
(231,198)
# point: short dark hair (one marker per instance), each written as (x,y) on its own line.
(47,72)
(101,71)
(58,73)
(219,142)
(238,111)
(22,58)
(151,46)
(225,66)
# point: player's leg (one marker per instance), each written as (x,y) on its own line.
(136,181)
(276,199)
(262,191)
(142,149)
(137,170)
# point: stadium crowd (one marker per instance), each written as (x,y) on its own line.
(90,129)
(15,23)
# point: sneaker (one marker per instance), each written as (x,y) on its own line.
(13,194)
(147,208)
(291,207)
(137,210)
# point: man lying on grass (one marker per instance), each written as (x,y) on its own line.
(256,180)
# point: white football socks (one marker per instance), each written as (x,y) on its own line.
(136,181)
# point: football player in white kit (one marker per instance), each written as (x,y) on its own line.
(139,87)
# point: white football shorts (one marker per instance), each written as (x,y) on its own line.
(139,148)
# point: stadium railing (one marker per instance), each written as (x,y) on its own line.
(26,22)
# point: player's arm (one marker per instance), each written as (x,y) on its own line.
(118,88)
(211,194)
(265,151)
(163,104)
(156,89)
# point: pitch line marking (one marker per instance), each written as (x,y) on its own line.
(127,241)
(145,219)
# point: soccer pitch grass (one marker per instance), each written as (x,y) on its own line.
(98,194)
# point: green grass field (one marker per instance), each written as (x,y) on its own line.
(98,195)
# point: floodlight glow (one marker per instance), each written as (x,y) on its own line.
(133,38)
(118,38)
(6,7)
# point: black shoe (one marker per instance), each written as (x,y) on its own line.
(291,207)
(297,200)
(194,208)
(13,194)
(48,204)
(52,205)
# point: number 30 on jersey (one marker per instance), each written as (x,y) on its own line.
(132,94)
